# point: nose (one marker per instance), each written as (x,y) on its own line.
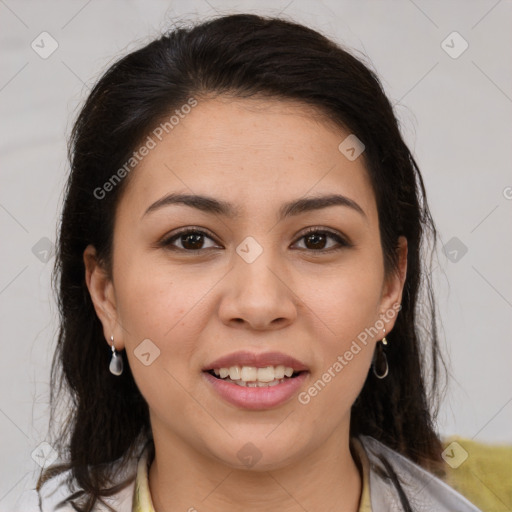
(258,295)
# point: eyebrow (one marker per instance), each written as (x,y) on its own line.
(216,206)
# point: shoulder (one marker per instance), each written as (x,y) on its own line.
(55,493)
(53,499)
(424,491)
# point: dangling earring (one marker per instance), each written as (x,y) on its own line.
(116,363)
(380,361)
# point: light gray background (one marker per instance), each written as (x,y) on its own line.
(455,114)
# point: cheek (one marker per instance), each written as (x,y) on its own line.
(167,309)
(346,299)
(160,305)
(343,348)
(346,306)
(166,306)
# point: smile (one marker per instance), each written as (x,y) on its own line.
(249,392)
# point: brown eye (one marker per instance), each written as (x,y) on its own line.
(316,240)
(190,240)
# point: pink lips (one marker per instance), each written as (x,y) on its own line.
(256,398)
(245,358)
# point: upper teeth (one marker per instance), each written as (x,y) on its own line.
(251,373)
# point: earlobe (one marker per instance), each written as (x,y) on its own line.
(101,290)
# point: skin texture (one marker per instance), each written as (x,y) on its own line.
(196,307)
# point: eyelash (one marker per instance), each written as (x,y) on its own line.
(342,242)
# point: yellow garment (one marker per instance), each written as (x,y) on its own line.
(141,495)
(365,502)
(484,477)
(481,472)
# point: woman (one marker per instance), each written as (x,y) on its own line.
(240,265)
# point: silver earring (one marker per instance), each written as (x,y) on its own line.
(116,363)
(380,361)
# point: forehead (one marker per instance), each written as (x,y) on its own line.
(248,152)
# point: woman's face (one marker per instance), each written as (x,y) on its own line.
(248,278)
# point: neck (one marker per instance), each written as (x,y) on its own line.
(181,479)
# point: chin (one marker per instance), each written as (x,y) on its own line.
(258,453)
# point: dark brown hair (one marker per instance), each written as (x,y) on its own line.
(240,56)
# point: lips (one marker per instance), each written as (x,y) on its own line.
(267,394)
(256,398)
(245,358)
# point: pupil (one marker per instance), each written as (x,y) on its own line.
(317,238)
(194,239)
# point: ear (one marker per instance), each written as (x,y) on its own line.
(101,290)
(394,284)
